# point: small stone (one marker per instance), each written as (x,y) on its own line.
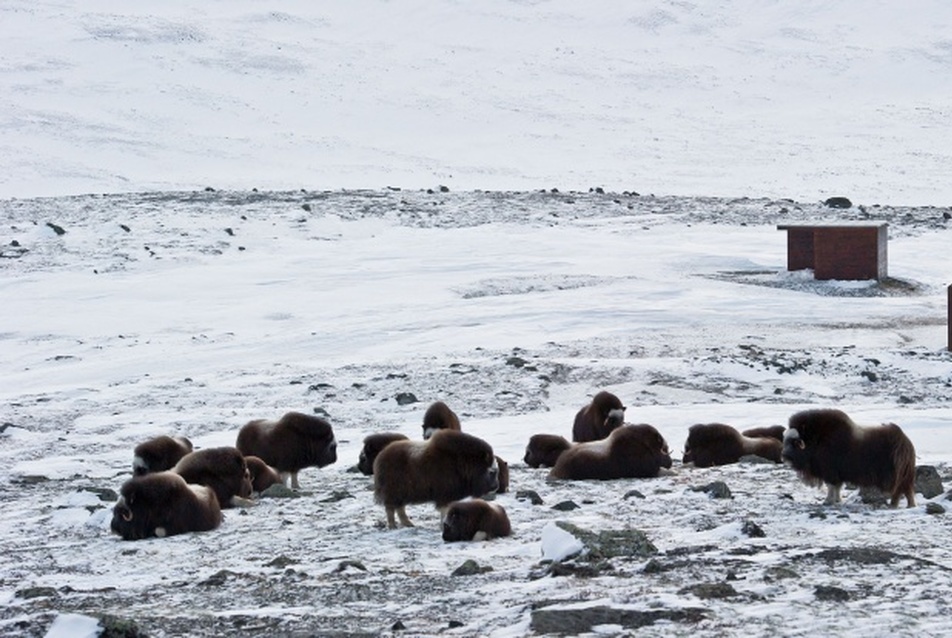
(934,508)
(565,506)
(752,529)
(834,594)
(529,495)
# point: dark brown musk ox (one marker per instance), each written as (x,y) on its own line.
(543,450)
(373,443)
(826,446)
(769,431)
(263,475)
(162,504)
(475,520)
(596,420)
(290,444)
(439,416)
(449,466)
(159,454)
(710,444)
(630,451)
(221,468)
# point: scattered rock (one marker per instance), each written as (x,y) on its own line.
(306,207)
(834,594)
(59,230)
(633,494)
(278,490)
(838,202)
(566,506)
(337,495)
(398,626)
(717,489)
(752,529)
(934,508)
(115,627)
(710,591)
(470,568)
(406,398)
(772,574)
(627,543)
(218,579)
(36,592)
(529,495)
(282,561)
(872,496)
(347,564)
(928,482)
(574,621)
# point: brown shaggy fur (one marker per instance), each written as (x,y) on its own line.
(159,454)
(263,475)
(475,520)
(826,446)
(770,431)
(450,466)
(373,443)
(162,504)
(439,417)
(630,451)
(503,476)
(221,468)
(597,419)
(720,444)
(290,444)
(543,450)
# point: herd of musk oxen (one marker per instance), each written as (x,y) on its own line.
(176,489)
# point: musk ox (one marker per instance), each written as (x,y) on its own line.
(439,417)
(263,475)
(597,419)
(503,476)
(373,443)
(544,449)
(630,451)
(711,444)
(159,454)
(449,466)
(290,444)
(221,468)
(770,431)
(163,504)
(475,520)
(826,446)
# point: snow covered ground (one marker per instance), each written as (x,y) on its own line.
(219,212)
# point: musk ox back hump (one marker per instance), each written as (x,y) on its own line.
(631,451)
(291,443)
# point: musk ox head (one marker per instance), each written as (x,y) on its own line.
(544,449)
(162,504)
(439,416)
(262,475)
(159,454)
(223,469)
(596,420)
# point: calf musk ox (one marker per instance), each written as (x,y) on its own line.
(770,431)
(630,451)
(597,419)
(162,504)
(447,467)
(290,444)
(221,468)
(159,454)
(826,446)
(263,475)
(439,417)
(710,444)
(475,520)
(543,450)
(373,443)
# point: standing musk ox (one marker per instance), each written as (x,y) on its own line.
(630,451)
(159,454)
(447,467)
(770,431)
(221,468)
(597,419)
(162,504)
(439,417)
(543,450)
(263,475)
(373,443)
(826,446)
(711,444)
(290,444)
(475,520)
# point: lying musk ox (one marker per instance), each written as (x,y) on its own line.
(770,431)
(826,446)
(221,468)
(597,419)
(439,417)
(162,504)
(373,443)
(711,444)
(630,451)
(263,475)
(290,444)
(544,449)
(475,520)
(159,454)
(447,467)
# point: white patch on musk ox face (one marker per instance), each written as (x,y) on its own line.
(616,416)
(139,466)
(480,536)
(428,432)
(160,532)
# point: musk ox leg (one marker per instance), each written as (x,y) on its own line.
(833,494)
(909,493)
(398,512)
(294,481)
